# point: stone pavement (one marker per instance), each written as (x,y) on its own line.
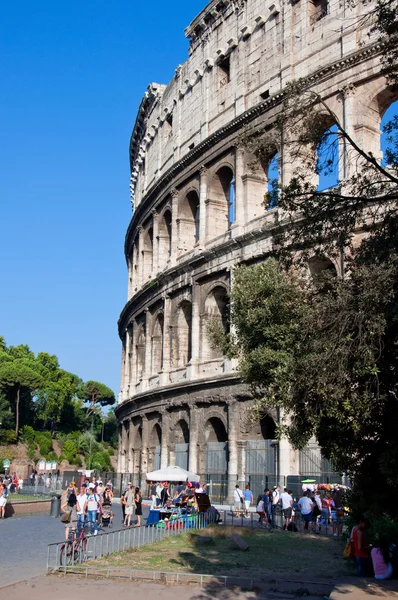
(355,588)
(24,541)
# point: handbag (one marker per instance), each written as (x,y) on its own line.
(349,550)
(66,516)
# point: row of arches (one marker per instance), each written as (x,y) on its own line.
(171,338)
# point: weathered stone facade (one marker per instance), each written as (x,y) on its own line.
(199,211)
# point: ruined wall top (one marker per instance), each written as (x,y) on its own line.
(241,52)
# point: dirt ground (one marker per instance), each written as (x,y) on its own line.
(67,587)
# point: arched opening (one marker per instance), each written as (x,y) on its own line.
(164,240)
(182,335)
(188,222)
(261,453)
(155,441)
(327,159)
(216,438)
(157,344)
(215,314)
(137,449)
(215,430)
(147,255)
(135,269)
(273,177)
(140,352)
(221,208)
(181,448)
(321,264)
(389,137)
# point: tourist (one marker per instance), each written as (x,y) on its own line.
(325,513)
(381,556)
(260,510)
(287,503)
(296,514)
(93,506)
(108,494)
(71,506)
(152,494)
(337,513)
(361,546)
(129,505)
(20,484)
(82,503)
(3,500)
(266,502)
(316,511)
(164,494)
(275,501)
(138,506)
(248,497)
(306,505)
(159,489)
(238,500)
(100,489)
(110,484)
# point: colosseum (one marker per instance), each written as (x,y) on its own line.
(199,210)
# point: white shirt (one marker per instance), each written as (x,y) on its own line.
(275,497)
(159,490)
(287,500)
(237,495)
(92,502)
(82,499)
(305,504)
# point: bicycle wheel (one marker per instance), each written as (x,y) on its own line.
(65,558)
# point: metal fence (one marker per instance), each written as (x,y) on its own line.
(69,553)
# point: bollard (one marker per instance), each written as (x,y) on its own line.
(55,506)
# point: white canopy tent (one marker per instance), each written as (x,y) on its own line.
(173,474)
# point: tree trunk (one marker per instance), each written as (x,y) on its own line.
(17,412)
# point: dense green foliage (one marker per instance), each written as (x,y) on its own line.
(39,401)
(321,349)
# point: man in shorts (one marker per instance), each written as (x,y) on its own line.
(287,503)
(238,501)
(306,505)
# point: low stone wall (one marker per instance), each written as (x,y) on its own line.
(30,507)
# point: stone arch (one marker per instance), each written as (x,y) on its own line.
(221,198)
(165,237)
(215,430)
(136,262)
(147,254)
(188,221)
(181,432)
(155,438)
(157,343)
(182,334)
(321,263)
(387,115)
(214,308)
(140,344)
(272,170)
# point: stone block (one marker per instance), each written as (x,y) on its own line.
(238,543)
(204,540)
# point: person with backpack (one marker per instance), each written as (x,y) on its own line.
(93,505)
(238,501)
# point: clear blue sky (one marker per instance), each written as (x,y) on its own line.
(72,76)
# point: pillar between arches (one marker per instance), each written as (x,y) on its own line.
(164,450)
(233,419)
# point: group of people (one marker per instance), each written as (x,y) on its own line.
(310,512)
(131,501)
(162,497)
(9,484)
(377,560)
(87,505)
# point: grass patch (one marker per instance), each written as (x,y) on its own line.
(16,498)
(278,551)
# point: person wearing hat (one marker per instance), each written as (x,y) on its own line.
(165,494)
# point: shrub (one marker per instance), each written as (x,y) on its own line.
(31,452)
(7,436)
(28,434)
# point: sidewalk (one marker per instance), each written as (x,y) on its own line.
(355,588)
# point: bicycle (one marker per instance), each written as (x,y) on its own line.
(73,549)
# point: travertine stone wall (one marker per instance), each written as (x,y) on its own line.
(198,200)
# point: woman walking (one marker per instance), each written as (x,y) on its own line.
(138,506)
(72,507)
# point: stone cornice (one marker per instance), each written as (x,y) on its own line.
(233,127)
(158,396)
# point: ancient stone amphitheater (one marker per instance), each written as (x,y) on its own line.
(198,211)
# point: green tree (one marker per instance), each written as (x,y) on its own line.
(18,377)
(96,393)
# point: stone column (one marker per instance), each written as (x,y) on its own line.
(164,450)
(141,261)
(193,439)
(233,421)
(119,449)
(155,249)
(240,208)
(165,374)
(127,365)
(148,348)
(174,225)
(192,370)
(144,451)
(130,455)
(202,206)
(241,446)
(123,465)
